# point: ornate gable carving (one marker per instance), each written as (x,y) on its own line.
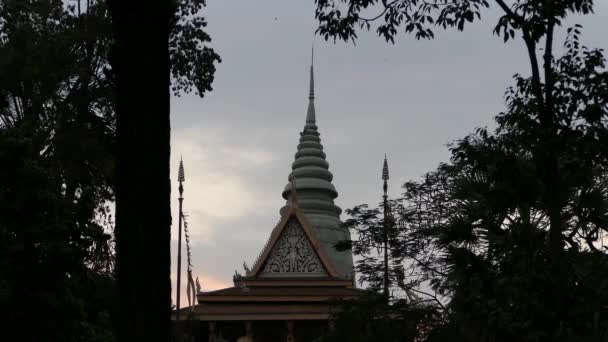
(293,254)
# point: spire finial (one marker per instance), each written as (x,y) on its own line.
(310,115)
(311,94)
(385,169)
(180,173)
(385,177)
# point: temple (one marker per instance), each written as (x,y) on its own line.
(286,294)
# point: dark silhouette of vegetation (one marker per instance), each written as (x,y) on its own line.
(375,236)
(143,213)
(58,147)
(153,42)
(509,235)
(371,319)
(55,255)
(56,144)
(471,241)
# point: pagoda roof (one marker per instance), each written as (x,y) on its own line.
(271,303)
(294,213)
(279,294)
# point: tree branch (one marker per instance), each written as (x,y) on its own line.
(548,59)
(434,298)
(531,47)
(518,19)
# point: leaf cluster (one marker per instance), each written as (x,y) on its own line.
(192,60)
(493,233)
(474,234)
(370,319)
(53,256)
(57,151)
(341,19)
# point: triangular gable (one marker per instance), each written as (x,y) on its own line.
(293,255)
(293,249)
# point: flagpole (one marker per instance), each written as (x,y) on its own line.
(180,179)
(385,230)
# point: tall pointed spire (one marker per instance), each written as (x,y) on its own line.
(315,192)
(310,115)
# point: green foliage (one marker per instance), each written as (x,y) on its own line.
(510,234)
(368,226)
(376,233)
(192,61)
(495,236)
(57,151)
(54,257)
(476,232)
(371,319)
(340,19)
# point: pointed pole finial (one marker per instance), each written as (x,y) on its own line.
(385,176)
(385,169)
(181,176)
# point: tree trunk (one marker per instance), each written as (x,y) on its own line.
(141,64)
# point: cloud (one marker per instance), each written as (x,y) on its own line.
(217,187)
(229,206)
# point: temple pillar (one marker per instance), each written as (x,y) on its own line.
(249,330)
(331,324)
(212,332)
(248,333)
(290,335)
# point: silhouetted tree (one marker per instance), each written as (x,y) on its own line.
(56,142)
(143,217)
(532,19)
(370,318)
(401,315)
(57,151)
(477,231)
(541,105)
(492,228)
(55,255)
(374,233)
(153,41)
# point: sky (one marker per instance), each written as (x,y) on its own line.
(407,100)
